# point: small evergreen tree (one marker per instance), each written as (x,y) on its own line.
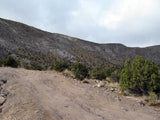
(115,76)
(80,71)
(98,73)
(10,61)
(108,71)
(140,76)
(101,73)
(60,66)
(126,75)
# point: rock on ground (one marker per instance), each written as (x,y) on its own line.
(2,100)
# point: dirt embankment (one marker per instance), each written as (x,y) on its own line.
(35,95)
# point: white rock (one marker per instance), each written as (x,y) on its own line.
(112,89)
(2,100)
(100,84)
(141,102)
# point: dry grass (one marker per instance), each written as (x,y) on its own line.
(151,103)
(68,73)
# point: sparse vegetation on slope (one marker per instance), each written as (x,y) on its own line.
(38,68)
(9,61)
(80,71)
(101,73)
(35,47)
(115,76)
(60,66)
(98,73)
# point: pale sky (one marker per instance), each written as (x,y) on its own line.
(134,23)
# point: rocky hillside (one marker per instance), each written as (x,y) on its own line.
(36,47)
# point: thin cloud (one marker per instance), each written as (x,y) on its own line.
(133,23)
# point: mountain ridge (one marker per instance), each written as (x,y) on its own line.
(33,46)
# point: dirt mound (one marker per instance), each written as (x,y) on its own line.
(35,95)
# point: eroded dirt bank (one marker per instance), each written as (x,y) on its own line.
(35,95)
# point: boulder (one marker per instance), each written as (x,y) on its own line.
(85,81)
(2,100)
(4,92)
(101,84)
(3,81)
(141,102)
(112,89)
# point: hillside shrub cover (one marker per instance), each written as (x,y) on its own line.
(140,76)
(37,68)
(60,66)
(101,73)
(10,61)
(80,71)
(98,73)
(108,71)
(115,76)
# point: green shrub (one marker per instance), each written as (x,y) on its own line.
(98,73)
(60,66)
(37,68)
(115,76)
(1,62)
(80,71)
(153,99)
(108,71)
(10,61)
(140,76)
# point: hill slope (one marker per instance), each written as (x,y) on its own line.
(35,95)
(37,47)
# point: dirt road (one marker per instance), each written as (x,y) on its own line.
(36,95)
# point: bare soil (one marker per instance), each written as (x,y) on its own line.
(47,95)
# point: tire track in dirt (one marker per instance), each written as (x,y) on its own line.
(44,95)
